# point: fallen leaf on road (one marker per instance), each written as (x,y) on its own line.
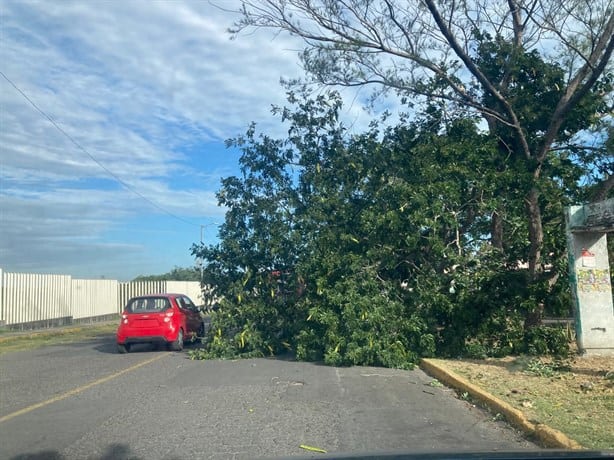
(312,449)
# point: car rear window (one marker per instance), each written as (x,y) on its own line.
(147,305)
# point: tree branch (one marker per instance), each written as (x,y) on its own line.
(604,189)
(517,22)
(576,90)
(477,73)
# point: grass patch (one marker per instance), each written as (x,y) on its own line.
(37,339)
(574,396)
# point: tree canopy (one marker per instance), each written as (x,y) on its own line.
(375,248)
(535,70)
(176,274)
(442,233)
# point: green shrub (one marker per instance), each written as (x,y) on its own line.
(544,340)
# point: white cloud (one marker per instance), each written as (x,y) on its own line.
(138,85)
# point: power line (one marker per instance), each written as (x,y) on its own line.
(80,147)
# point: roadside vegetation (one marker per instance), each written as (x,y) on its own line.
(439,232)
(176,274)
(38,339)
(572,395)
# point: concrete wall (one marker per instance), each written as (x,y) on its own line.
(593,293)
(589,272)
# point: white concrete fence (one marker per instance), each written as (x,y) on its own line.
(32,300)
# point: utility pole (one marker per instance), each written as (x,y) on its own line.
(200,259)
(202,241)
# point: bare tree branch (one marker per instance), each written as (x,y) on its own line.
(517,21)
(580,85)
(420,39)
(487,84)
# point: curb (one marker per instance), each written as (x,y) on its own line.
(547,436)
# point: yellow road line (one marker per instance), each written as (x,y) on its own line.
(80,389)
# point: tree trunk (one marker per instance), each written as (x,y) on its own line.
(536,239)
(536,233)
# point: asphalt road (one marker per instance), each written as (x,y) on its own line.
(84,401)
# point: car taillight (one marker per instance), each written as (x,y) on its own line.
(125,318)
(168,315)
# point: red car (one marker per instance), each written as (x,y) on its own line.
(167,319)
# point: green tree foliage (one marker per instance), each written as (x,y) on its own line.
(376,248)
(538,73)
(176,274)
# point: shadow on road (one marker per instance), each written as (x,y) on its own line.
(113,452)
(107,344)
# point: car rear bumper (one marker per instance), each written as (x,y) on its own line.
(146,335)
(144,339)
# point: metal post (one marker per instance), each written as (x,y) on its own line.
(200,259)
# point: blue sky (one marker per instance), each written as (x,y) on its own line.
(150,89)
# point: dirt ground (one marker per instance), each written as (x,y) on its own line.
(574,395)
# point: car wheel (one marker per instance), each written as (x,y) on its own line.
(177,345)
(123,348)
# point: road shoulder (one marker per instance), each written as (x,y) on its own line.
(545,435)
